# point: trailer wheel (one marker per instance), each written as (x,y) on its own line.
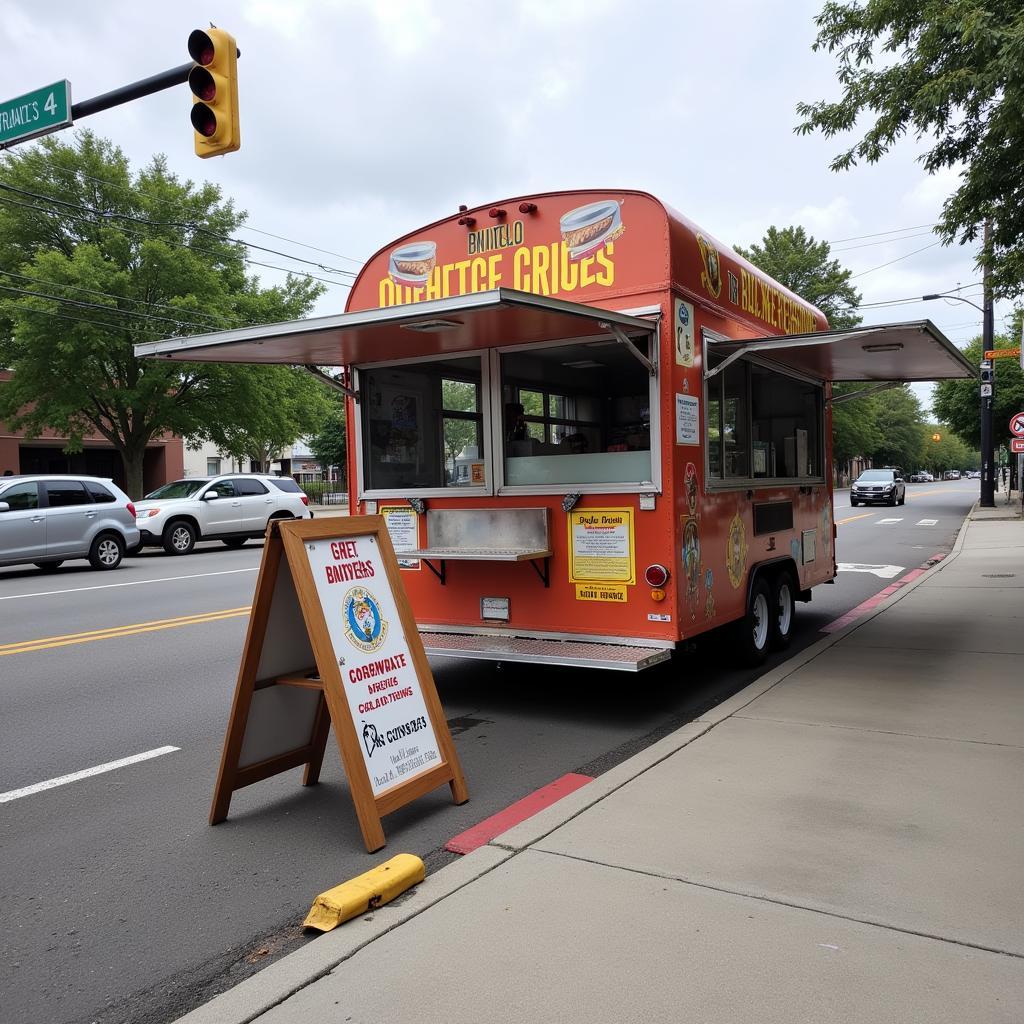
(754,630)
(783,610)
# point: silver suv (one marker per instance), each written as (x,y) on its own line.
(48,520)
(229,508)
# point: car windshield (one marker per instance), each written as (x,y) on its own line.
(177,489)
(876,475)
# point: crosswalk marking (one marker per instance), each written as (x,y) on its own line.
(882,522)
(927,522)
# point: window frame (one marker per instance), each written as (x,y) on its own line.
(40,496)
(653,486)
(67,483)
(746,483)
(364,494)
(492,433)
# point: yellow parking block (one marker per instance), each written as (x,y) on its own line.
(365,892)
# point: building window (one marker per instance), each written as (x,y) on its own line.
(213,467)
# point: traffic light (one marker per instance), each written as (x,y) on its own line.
(214,84)
(936,437)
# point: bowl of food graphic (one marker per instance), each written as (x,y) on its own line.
(587,228)
(412,264)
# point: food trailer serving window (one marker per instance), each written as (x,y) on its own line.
(763,424)
(422,425)
(575,414)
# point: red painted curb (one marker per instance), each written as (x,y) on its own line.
(484,831)
(873,602)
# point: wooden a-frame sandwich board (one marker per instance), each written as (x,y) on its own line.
(332,640)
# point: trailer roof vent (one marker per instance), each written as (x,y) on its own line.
(432,326)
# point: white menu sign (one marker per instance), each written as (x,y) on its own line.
(403,527)
(378,673)
(687,419)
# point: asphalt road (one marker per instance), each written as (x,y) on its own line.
(119,903)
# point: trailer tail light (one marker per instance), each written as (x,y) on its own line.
(656,576)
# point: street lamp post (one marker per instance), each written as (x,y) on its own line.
(988,469)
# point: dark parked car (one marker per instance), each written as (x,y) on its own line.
(884,486)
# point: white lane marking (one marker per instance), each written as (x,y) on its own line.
(134,583)
(883,572)
(39,787)
(927,522)
(882,522)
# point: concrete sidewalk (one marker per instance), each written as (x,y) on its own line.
(840,842)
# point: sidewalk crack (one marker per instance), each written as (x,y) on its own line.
(883,732)
(885,926)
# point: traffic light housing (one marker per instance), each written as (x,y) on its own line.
(936,437)
(214,84)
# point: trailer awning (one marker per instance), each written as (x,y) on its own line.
(912,351)
(499,317)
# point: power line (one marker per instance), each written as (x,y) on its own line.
(905,256)
(882,241)
(877,234)
(113,328)
(189,226)
(82,304)
(171,241)
(127,298)
(181,206)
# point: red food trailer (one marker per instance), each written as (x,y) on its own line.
(593,430)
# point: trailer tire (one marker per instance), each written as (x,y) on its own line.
(754,631)
(784,592)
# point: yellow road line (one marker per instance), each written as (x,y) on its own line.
(113,632)
(850,519)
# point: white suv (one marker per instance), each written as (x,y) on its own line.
(227,508)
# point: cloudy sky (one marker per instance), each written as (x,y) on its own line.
(362,120)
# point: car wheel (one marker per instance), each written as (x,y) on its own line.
(892,501)
(754,630)
(107,551)
(783,609)
(234,542)
(48,566)
(903,498)
(179,538)
(853,504)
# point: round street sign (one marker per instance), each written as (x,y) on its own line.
(1017,424)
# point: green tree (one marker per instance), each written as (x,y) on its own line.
(958,402)
(458,396)
(272,407)
(95,259)
(948,71)
(901,429)
(949,452)
(796,260)
(855,430)
(330,444)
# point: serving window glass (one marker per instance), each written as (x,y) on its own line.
(763,425)
(575,414)
(422,425)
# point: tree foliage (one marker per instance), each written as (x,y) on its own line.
(329,444)
(95,259)
(273,406)
(948,71)
(901,429)
(957,402)
(949,452)
(796,260)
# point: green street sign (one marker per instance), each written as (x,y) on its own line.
(36,113)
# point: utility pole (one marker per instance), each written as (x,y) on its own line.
(988,469)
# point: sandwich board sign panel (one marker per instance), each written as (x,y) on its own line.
(332,641)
